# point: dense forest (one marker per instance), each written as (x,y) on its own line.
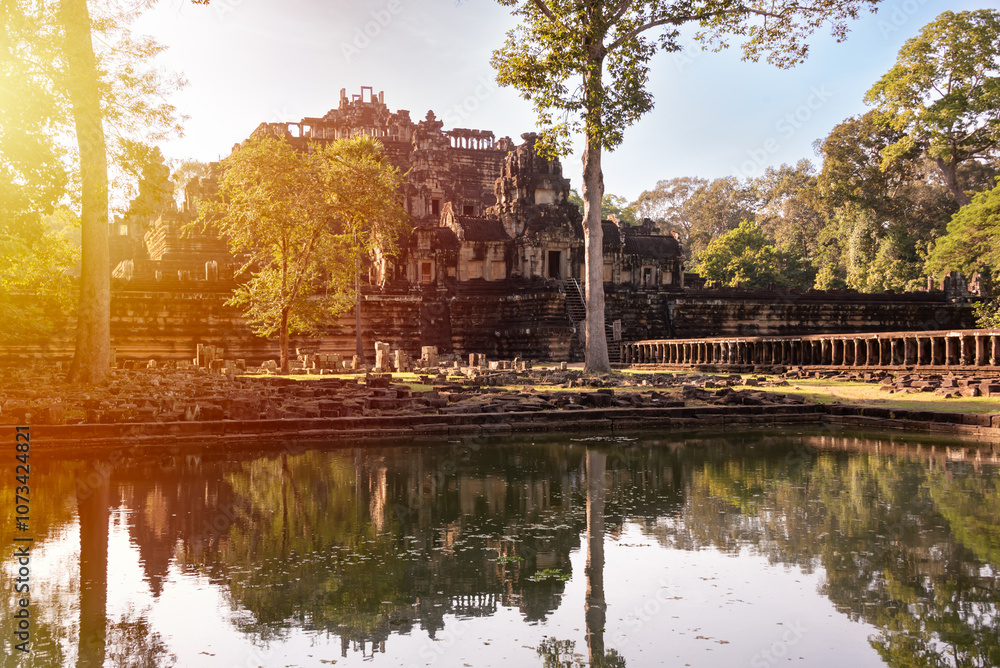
(901,193)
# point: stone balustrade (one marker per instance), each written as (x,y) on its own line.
(946,348)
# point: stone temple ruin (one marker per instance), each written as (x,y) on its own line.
(493,264)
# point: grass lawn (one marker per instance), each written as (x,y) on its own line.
(822,391)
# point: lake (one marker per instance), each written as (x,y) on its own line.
(756,549)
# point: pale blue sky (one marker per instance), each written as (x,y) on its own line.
(249,61)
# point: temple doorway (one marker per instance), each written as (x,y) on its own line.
(554,264)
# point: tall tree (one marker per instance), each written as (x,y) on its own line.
(853,171)
(717,208)
(299,221)
(881,217)
(668,205)
(585,68)
(789,210)
(944,93)
(972,244)
(66,87)
(93,328)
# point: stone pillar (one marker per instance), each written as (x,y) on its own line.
(995,355)
(968,350)
(982,350)
(939,350)
(429,355)
(923,351)
(381,357)
(909,351)
(953,350)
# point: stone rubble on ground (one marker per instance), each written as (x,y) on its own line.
(211,387)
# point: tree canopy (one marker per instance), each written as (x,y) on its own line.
(35,257)
(943,94)
(972,243)
(299,221)
(743,256)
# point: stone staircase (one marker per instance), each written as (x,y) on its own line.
(576,305)
(614,347)
(576,310)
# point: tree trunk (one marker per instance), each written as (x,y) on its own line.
(596,345)
(950,171)
(595,607)
(94,512)
(283,341)
(93,329)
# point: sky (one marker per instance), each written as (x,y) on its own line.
(253,61)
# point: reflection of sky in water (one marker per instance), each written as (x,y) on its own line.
(696,564)
(677,607)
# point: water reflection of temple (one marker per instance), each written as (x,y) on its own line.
(368,544)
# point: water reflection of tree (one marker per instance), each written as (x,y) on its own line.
(898,546)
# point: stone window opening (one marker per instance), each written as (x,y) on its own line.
(426,272)
(469,210)
(435,207)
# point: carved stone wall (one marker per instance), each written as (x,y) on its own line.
(706,313)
